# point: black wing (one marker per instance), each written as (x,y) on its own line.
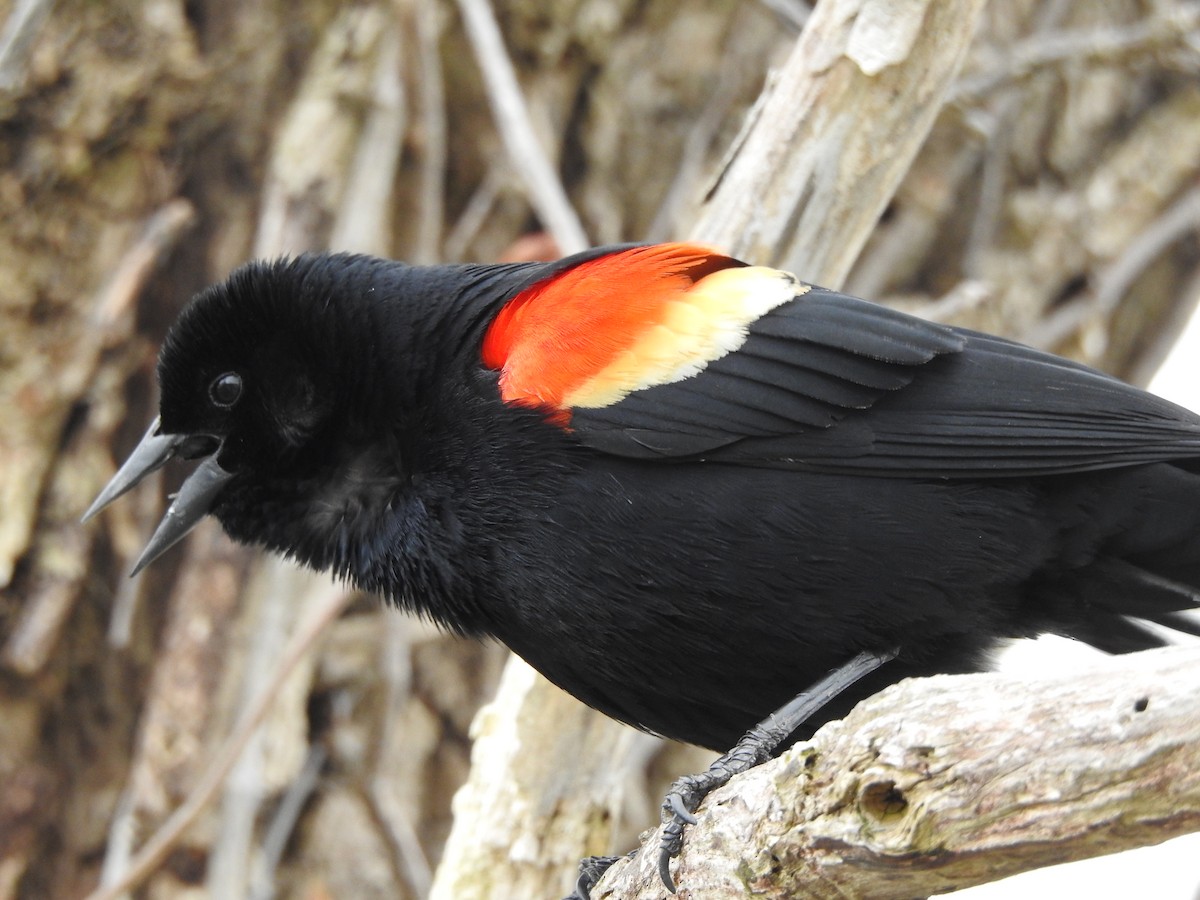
(832,383)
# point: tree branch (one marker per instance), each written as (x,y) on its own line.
(942,783)
(525,152)
(834,134)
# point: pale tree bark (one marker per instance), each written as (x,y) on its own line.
(938,784)
(834,133)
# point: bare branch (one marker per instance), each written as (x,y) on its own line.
(283,824)
(1109,44)
(364,213)
(942,783)
(378,792)
(1177,221)
(473,216)
(993,180)
(431,212)
(24,22)
(833,135)
(512,119)
(155,850)
(792,13)
(158,236)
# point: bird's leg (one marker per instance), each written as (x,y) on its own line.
(756,747)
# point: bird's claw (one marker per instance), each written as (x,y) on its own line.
(676,805)
(668,849)
(678,809)
(591,869)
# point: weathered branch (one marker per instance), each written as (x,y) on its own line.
(835,133)
(325,609)
(512,119)
(546,775)
(942,783)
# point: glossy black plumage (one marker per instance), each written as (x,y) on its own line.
(689,558)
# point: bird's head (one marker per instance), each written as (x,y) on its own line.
(264,379)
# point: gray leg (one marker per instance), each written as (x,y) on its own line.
(756,747)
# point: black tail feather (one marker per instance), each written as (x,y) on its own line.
(1116,634)
(1181,622)
(1122,587)
(1107,605)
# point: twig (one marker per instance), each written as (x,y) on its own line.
(129,524)
(431,212)
(24,22)
(1098,44)
(793,13)
(397,828)
(283,823)
(393,821)
(964,297)
(994,179)
(525,152)
(119,846)
(155,850)
(50,599)
(365,209)
(899,246)
(274,585)
(1153,359)
(158,235)
(474,214)
(689,171)
(992,182)
(1180,218)
(316,139)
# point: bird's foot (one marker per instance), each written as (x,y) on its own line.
(591,870)
(687,792)
(755,747)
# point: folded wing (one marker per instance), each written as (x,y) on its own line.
(833,383)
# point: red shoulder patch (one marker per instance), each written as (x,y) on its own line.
(590,335)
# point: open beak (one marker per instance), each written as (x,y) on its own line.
(194,500)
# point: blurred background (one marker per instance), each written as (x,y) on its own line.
(149,146)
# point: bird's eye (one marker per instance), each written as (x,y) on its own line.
(225,389)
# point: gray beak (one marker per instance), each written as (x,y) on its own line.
(194,500)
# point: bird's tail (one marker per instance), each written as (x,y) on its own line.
(1137,546)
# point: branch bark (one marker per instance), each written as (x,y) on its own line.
(834,134)
(943,783)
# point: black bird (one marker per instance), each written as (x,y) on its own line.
(681,487)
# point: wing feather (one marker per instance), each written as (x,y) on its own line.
(832,383)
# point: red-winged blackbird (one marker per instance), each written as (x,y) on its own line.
(681,487)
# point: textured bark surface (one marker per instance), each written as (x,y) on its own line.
(835,131)
(146,148)
(954,781)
